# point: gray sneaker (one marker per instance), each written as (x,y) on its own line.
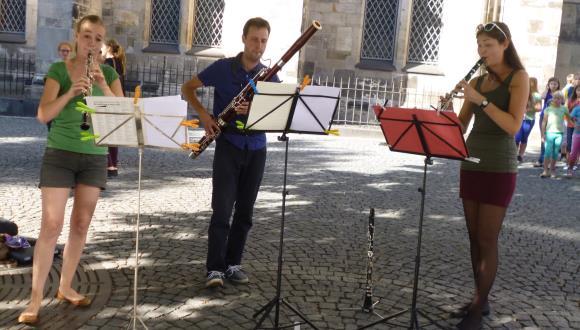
(214,279)
(236,275)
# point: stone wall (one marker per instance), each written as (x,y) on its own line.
(336,50)
(568,60)
(535,26)
(54,24)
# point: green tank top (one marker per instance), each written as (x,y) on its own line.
(494,147)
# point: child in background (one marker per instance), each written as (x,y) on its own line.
(575,116)
(553,129)
(534,105)
(552,86)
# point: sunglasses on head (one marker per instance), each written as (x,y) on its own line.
(490,26)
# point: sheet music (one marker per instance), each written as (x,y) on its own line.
(113,121)
(161,121)
(322,109)
(262,105)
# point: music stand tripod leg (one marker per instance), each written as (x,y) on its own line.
(277,300)
(135,317)
(414,323)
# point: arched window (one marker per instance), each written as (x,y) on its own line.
(209,21)
(12,20)
(379,30)
(164,22)
(425,34)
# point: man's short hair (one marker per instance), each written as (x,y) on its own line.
(256,22)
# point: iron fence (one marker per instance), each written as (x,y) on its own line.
(359,95)
(158,76)
(16,72)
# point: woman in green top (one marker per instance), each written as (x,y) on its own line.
(69,163)
(497,100)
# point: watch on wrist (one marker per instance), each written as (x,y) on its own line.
(484,103)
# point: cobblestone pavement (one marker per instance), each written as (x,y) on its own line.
(333,182)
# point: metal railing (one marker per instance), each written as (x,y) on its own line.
(160,77)
(359,95)
(16,72)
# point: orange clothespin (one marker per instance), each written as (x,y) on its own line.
(194,123)
(305,82)
(137,94)
(191,146)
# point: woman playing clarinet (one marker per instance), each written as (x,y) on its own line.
(69,162)
(497,100)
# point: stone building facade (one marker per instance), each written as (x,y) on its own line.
(431,43)
(428,42)
(568,59)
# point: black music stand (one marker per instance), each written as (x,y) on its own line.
(421,132)
(276,110)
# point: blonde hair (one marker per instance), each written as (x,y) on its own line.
(64,43)
(558,95)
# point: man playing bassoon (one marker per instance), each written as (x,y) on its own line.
(239,158)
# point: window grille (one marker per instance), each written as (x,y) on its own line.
(379,30)
(426,23)
(12,16)
(165,22)
(209,21)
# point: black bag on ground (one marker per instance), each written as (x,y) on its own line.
(22,256)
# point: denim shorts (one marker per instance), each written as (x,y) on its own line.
(66,169)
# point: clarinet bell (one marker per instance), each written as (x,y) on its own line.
(85,125)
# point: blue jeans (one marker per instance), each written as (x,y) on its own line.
(237,175)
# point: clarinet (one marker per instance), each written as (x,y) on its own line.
(247,92)
(89,91)
(368,298)
(445,103)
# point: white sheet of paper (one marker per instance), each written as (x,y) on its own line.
(162,118)
(263,104)
(322,108)
(111,112)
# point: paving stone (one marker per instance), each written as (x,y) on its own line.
(333,182)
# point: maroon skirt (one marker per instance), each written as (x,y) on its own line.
(487,187)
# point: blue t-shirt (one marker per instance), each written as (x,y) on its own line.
(228,77)
(576,115)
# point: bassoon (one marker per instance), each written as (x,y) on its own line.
(246,94)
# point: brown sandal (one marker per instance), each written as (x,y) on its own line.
(84,302)
(28,318)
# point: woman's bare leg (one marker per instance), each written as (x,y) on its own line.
(84,206)
(53,206)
